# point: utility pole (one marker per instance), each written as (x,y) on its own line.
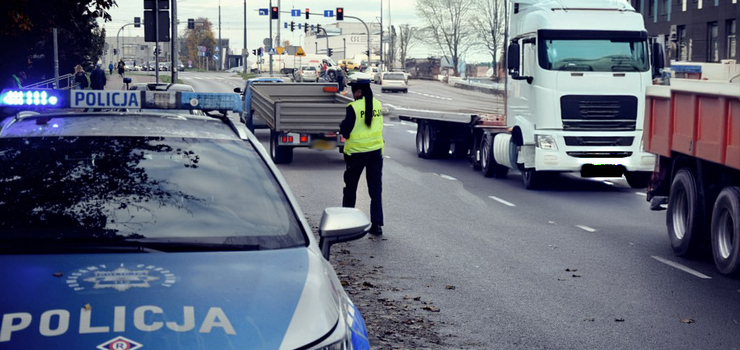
(391,33)
(244,51)
(220,58)
(156,42)
(277,38)
(271,42)
(175,66)
(56,59)
(380,66)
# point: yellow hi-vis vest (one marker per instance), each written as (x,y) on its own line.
(364,138)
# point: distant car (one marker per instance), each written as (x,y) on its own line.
(349,64)
(307,73)
(394,81)
(374,73)
(359,76)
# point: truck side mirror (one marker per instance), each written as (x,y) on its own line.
(512,59)
(658,59)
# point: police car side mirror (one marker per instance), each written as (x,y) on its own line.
(341,225)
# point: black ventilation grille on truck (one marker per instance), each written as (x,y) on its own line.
(599,140)
(599,154)
(605,113)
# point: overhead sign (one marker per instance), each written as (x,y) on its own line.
(264,12)
(280,50)
(300,52)
(328,13)
(105,99)
(295,13)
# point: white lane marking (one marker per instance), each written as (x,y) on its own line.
(411,131)
(447,177)
(387,157)
(502,201)
(641,193)
(586,228)
(404,123)
(387,124)
(681,267)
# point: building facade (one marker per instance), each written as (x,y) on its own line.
(348,40)
(693,30)
(134,51)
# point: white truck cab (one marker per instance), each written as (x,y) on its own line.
(578,70)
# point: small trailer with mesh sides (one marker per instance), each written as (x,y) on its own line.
(694,128)
(299,115)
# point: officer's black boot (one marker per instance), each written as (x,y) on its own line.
(376,229)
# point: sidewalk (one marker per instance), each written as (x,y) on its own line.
(115,82)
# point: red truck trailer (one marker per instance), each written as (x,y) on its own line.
(694,128)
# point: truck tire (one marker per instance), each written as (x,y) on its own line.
(726,231)
(420,149)
(638,179)
(279,154)
(683,217)
(488,164)
(475,154)
(533,179)
(434,147)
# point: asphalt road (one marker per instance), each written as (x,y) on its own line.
(583,264)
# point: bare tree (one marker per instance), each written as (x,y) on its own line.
(489,24)
(448,26)
(407,38)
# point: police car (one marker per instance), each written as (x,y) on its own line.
(149,230)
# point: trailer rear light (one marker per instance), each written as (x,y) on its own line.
(331,89)
(287,139)
(331,134)
(304,139)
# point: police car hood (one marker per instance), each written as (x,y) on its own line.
(213,300)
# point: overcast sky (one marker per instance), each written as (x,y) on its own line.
(232,17)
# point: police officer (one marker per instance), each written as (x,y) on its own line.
(363,150)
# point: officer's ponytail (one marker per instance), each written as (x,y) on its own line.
(367,93)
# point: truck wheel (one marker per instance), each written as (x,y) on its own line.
(433,146)
(475,154)
(420,141)
(726,231)
(533,179)
(279,154)
(683,215)
(488,163)
(638,179)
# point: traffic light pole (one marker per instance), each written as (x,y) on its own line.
(368,36)
(271,42)
(156,41)
(174,67)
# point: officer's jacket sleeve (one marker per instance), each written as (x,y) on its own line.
(348,123)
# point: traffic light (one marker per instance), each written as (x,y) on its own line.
(305,28)
(340,13)
(367,52)
(318,29)
(260,51)
(274,13)
(292,26)
(306,13)
(156,25)
(137,22)
(191,23)
(329,52)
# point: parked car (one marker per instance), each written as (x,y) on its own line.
(349,64)
(394,81)
(307,73)
(374,72)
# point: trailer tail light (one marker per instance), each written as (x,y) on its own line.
(331,89)
(287,139)
(304,139)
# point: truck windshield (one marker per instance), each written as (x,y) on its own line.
(593,52)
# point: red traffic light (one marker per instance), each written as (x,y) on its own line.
(275,13)
(340,13)
(306,13)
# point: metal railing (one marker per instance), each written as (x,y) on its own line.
(65,82)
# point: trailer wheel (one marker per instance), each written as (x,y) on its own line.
(279,154)
(475,153)
(434,147)
(726,231)
(638,179)
(683,215)
(490,167)
(420,141)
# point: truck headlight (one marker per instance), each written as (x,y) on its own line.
(546,142)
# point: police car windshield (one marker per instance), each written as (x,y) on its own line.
(102,188)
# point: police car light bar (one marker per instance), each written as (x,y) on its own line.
(30,99)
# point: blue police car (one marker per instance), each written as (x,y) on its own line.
(148,230)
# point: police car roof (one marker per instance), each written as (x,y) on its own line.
(117,124)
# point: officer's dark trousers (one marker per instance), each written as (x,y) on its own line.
(373,163)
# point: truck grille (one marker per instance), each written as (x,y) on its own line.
(604,113)
(598,141)
(599,154)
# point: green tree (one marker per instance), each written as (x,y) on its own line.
(201,35)
(26,28)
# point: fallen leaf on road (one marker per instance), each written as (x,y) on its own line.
(571,270)
(450,287)
(687,320)
(576,275)
(589,319)
(344,283)
(431,308)
(618,320)
(368,284)
(561,279)
(417,298)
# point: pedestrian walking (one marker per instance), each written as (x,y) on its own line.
(80,78)
(97,78)
(121,68)
(362,128)
(110,68)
